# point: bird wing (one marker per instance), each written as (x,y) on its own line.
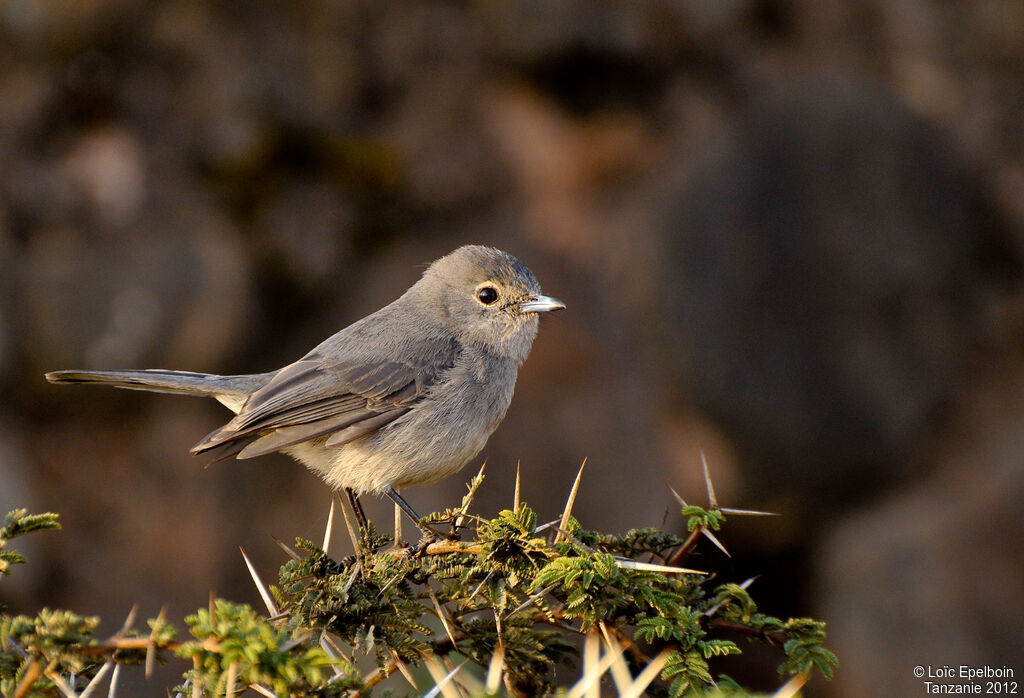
(321,395)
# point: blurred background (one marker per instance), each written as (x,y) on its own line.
(789,234)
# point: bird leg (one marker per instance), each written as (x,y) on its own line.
(429,534)
(357,507)
(400,501)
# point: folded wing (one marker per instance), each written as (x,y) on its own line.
(319,396)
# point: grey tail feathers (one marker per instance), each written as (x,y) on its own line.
(232,391)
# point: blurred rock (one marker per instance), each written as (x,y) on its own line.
(106,171)
(141,296)
(303,231)
(833,267)
(931,575)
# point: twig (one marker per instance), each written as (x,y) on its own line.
(567,512)
(330,526)
(515,505)
(31,674)
(441,547)
(351,533)
(151,642)
(769,635)
(686,547)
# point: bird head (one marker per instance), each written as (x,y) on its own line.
(488,299)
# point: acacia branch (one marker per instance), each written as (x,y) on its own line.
(773,636)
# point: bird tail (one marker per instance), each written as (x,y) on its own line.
(232,391)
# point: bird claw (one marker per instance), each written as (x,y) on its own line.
(421,547)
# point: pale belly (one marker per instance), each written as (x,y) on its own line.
(431,442)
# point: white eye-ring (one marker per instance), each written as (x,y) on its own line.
(487,294)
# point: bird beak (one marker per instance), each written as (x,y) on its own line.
(541,304)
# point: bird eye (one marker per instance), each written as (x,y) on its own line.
(487,295)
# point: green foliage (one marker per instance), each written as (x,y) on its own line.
(368,602)
(707,518)
(519,591)
(804,650)
(637,543)
(236,646)
(54,636)
(59,646)
(18,523)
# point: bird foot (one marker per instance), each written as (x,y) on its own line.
(421,547)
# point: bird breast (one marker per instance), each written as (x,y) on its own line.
(444,430)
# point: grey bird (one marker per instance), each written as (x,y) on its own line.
(405,396)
